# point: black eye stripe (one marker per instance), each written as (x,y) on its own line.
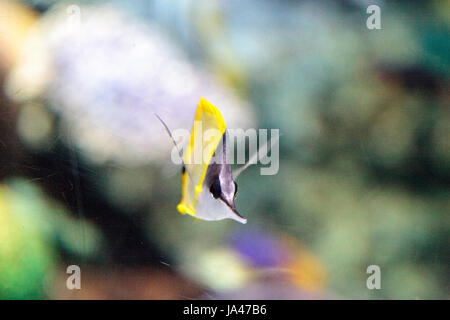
(215,188)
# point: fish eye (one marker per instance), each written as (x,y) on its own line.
(215,188)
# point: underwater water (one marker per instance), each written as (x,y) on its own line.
(355,204)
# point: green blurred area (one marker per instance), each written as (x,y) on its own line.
(364,171)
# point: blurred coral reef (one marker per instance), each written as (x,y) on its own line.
(85,170)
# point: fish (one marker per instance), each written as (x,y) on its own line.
(208,188)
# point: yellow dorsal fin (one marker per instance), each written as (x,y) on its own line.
(209,127)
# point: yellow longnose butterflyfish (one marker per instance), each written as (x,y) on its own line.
(208,188)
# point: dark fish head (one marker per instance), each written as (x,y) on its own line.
(225,189)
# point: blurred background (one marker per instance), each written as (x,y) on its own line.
(86,177)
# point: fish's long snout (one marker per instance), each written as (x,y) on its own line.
(232,206)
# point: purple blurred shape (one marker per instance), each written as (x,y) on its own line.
(259,248)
